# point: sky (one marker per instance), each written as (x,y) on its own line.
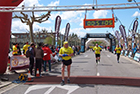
(75,18)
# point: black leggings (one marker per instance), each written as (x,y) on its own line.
(118,56)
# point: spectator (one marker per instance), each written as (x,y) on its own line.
(129,48)
(31,58)
(134,50)
(47,57)
(79,48)
(15,50)
(25,48)
(73,47)
(19,51)
(52,48)
(38,56)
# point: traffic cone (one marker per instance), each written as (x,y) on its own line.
(29,77)
(37,73)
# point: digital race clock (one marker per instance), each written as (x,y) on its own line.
(99,23)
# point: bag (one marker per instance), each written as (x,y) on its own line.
(22,77)
(28,53)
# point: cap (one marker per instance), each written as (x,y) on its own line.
(65,42)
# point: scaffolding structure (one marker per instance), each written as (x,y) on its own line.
(70,8)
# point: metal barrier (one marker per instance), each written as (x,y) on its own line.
(130,54)
(137,57)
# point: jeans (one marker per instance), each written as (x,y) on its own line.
(49,62)
(31,66)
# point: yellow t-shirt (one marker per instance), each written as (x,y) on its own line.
(118,49)
(25,48)
(15,50)
(97,49)
(67,51)
(91,47)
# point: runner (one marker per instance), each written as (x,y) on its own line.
(118,51)
(66,52)
(97,51)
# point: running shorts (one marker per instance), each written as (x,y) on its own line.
(97,55)
(67,62)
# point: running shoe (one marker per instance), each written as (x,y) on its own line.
(68,81)
(62,83)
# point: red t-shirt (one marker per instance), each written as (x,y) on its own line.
(47,52)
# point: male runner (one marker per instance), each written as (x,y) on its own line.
(66,52)
(97,51)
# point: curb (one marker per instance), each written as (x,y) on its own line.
(4,84)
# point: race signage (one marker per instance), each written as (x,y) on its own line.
(67,31)
(19,62)
(99,23)
(57,27)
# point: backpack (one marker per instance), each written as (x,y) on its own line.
(28,54)
(22,77)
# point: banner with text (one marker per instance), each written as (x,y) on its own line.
(19,62)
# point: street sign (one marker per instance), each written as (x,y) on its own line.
(99,23)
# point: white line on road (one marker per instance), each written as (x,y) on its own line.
(98,74)
(86,56)
(69,88)
(108,56)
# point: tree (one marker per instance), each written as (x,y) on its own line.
(74,39)
(97,42)
(30,21)
(48,40)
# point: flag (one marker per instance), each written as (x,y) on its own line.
(123,33)
(57,27)
(67,31)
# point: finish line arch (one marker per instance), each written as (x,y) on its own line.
(99,35)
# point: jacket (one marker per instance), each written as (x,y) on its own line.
(32,52)
(39,54)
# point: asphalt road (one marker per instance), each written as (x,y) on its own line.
(84,65)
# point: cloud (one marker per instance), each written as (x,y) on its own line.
(136,14)
(100,13)
(79,31)
(30,3)
(56,3)
(18,26)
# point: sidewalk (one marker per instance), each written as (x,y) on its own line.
(11,76)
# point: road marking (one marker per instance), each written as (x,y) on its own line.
(108,56)
(98,74)
(70,88)
(86,56)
